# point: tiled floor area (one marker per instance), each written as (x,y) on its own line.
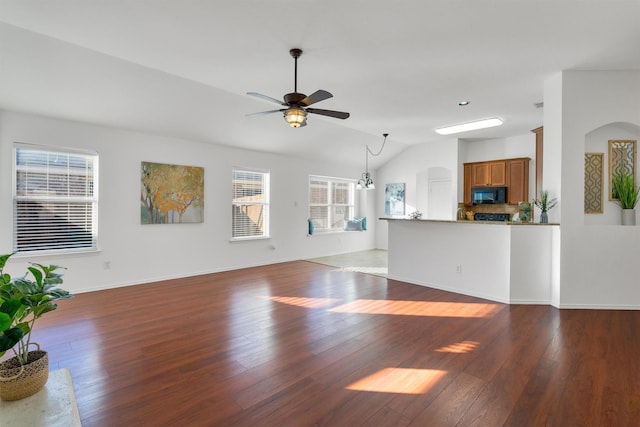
(371,262)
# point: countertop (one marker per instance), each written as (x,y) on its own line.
(444,221)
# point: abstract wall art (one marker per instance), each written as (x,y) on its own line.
(171,194)
(394,199)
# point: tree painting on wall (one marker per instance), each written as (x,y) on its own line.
(394,199)
(171,194)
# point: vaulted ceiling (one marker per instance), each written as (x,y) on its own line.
(183,67)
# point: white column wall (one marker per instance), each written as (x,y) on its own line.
(599,264)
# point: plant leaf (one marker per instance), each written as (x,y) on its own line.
(3,260)
(11,337)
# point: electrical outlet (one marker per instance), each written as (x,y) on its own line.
(459,269)
(107,265)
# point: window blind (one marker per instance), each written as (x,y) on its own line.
(250,204)
(331,202)
(55,203)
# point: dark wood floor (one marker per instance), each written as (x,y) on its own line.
(302,344)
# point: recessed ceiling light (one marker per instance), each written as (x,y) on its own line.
(464,127)
(463,103)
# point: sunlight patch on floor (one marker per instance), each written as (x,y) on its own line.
(459,347)
(399,380)
(305,302)
(380,271)
(419,308)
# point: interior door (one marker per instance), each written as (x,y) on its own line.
(440,201)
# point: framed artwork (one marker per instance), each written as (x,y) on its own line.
(171,194)
(394,199)
(622,158)
(593,183)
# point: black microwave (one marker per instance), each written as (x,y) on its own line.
(488,195)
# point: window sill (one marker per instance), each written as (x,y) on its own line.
(327,233)
(61,253)
(248,239)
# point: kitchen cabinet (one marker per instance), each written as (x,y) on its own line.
(539,156)
(467,184)
(510,173)
(492,173)
(517,180)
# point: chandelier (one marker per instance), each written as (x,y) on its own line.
(366,182)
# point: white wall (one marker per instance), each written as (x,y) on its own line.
(501,148)
(141,253)
(513,265)
(599,263)
(408,167)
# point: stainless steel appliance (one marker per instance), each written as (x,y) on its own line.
(491,216)
(488,195)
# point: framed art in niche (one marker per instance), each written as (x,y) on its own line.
(171,194)
(622,158)
(593,183)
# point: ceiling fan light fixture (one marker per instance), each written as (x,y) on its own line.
(295,116)
(465,127)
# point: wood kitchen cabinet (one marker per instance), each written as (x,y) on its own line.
(492,173)
(510,173)
(517,180)
(467,184)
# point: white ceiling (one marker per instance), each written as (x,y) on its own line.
(183,67)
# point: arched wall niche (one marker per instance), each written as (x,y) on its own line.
(597,141)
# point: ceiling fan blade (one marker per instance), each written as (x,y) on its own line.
(317,96)
(266,98)
(330,113)
(265,112)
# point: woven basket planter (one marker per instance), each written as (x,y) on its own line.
(18,382)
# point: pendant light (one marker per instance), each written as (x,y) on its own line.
(365,182)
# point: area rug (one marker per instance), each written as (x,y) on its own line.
(53,406)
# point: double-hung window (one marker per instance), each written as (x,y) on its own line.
(250,204)
(55,200)
(331,202)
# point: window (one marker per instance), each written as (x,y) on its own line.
(331,202)
(55,203)
(250,206)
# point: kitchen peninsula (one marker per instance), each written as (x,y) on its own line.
(508,262)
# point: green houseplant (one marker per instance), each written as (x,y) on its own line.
(626,192)
(23,300)
(545,204)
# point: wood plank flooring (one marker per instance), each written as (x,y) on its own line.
(303,344)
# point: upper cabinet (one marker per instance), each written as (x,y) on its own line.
(510,173)
(517,180)
(492,173)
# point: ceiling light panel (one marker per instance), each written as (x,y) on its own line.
(468,126)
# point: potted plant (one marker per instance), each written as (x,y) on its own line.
(545,205)
(23,301)
(524,211)
(626,192)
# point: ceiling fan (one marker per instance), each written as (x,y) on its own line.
(297,104)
